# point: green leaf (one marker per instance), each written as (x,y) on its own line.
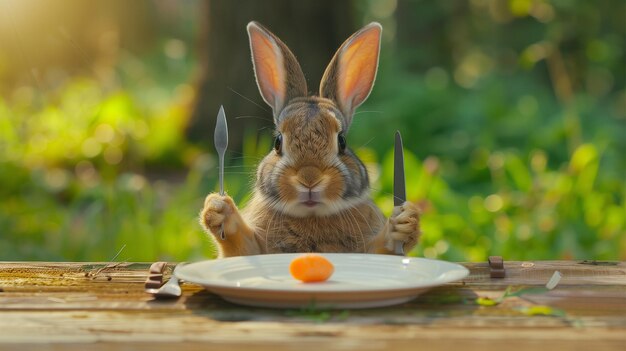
(542,310)
(519,172)
(486,301)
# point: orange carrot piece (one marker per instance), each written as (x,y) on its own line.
(311,268)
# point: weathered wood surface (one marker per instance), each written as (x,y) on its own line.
(99,306)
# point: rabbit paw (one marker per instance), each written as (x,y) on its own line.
(218,210)
(405,226)
(239,238)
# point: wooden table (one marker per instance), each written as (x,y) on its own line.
(100,306)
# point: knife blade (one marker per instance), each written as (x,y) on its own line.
(220,139)
(399,184)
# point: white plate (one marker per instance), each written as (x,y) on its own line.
(359,280)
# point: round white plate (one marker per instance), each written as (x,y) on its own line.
(359,280)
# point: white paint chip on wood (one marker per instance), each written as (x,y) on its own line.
(554,280)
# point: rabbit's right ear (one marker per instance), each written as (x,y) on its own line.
(278,74)
(349,78)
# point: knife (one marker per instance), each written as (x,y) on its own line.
(399,185)
(221,143)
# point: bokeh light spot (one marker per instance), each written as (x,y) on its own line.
(91,148)
(175,49)
(104,133)
(493,203)
(113,155)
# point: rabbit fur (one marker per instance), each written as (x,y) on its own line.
(311,191)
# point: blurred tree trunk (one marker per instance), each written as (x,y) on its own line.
(313,30)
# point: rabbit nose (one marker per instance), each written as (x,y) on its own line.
(309,176)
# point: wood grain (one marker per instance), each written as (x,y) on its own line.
(99,306)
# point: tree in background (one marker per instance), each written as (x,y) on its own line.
(312,29)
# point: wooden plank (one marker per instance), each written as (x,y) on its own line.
(539,272)
(103,305)
(66,286)
(592,301)
(518,272)
(308,344)
(74,328)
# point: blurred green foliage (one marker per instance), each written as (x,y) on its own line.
(512,112)
(516,114)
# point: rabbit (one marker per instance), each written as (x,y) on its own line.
(311,192)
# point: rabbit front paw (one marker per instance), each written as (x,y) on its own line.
(218,210)
(405,225)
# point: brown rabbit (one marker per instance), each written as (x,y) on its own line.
(311,192)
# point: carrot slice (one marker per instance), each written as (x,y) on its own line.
(311,268)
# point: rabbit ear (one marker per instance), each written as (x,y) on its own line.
(349,77)
(277,71)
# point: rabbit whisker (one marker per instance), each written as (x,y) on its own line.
(269,229)
(257,117)
(243,156)
(240,166)
(250,100)
(358,211)
(356,229)
(361,230)
(356,113)
(364,145)
(386,193)
(281,213)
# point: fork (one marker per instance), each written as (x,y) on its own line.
(169,289)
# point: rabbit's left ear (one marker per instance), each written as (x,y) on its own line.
(349,78)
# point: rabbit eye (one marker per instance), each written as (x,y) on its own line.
(341,141)
(278,143)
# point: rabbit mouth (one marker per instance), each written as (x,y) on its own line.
(310,203)
(310,197)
